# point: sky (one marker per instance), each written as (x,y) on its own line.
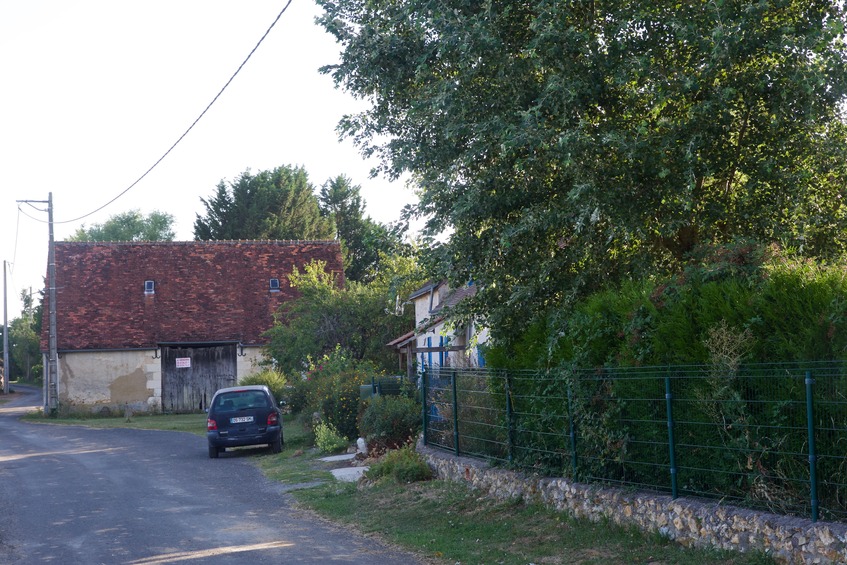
(94,92)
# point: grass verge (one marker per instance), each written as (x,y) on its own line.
(192,423)
(441,521)
(448,521)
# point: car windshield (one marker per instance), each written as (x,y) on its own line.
(241,400)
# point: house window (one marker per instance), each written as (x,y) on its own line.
(149,287)
(274,285)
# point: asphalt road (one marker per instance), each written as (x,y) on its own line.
(76,495)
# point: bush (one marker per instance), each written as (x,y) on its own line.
(274,380)
(792,308)
(327,438)
(389,422)
(404,465)
(296,394)
(332,390)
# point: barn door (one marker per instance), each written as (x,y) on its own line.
(191,375)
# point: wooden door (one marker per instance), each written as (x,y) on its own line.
(191,375)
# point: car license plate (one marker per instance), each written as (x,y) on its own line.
(241,420)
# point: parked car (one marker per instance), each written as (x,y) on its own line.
(243,415)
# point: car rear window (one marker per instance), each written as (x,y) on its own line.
(240,400)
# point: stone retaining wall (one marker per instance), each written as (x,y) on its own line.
(688,521)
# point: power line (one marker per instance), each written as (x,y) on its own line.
(203,113)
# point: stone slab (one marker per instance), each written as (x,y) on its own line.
(334,458)
(349,474)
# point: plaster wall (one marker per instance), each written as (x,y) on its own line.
(249,363)
(103,381)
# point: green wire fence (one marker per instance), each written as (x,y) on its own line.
(768,436)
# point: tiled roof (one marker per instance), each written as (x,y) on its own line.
(454,296)
(205,292)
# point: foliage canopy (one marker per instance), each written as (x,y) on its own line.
(129,226)
(276,204)
(363,240)
(359,318)
(566,145)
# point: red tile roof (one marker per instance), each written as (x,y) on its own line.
(205,291)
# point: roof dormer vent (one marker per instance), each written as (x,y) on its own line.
(149,287)
(274,285)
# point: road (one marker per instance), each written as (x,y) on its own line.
(71,494)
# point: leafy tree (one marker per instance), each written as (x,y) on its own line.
(359,318)
(362,238)
(24,341)
(277,204)
(568,145)
(129,226)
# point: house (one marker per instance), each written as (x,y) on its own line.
(162,326)
(435,342)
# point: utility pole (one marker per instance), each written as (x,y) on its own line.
(5,333)
(53,363)
(51,382)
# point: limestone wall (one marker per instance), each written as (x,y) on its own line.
(688,521)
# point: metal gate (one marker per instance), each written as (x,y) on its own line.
(191,375)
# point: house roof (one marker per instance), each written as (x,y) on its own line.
(204,292)
(454,296)
(437,315)
(402,341)
(424,289)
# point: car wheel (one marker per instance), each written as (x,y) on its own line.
(213,452)
(276,446)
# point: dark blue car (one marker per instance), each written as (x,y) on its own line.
(243,415)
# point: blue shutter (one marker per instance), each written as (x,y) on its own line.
(441,353)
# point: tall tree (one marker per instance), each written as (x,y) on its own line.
(24,340)
(362,238)
(277,204)
(564,145)
(129,226)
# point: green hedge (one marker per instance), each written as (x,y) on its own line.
(792,309)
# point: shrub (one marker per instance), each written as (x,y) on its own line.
(274,380)
(327,438)
(296,394)
(332,390)
(390,421)
(404,465)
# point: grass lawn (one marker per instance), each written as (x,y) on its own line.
(441,521)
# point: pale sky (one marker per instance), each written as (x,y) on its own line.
(93,92)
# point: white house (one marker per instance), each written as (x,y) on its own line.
(436,341)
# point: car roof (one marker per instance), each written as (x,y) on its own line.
(242,388)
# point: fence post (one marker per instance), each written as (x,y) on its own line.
(423,405)
(455,413)
(810,424)
(510,447)
(572,432)
(671,445)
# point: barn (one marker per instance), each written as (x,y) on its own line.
(160,326)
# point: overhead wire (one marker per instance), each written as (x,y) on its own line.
(203,113)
